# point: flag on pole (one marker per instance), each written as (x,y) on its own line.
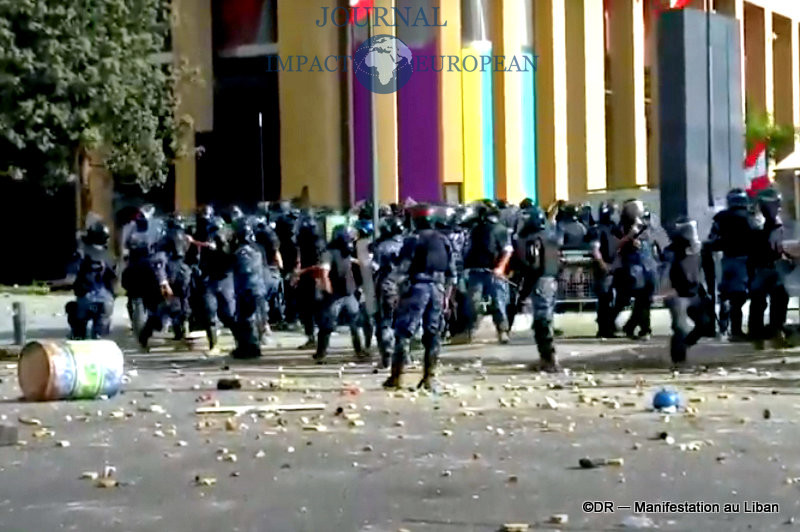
(359,10)
(755,168)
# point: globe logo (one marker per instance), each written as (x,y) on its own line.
(383,64)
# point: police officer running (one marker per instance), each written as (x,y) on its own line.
(732,234)
(689,299)
(427,259)
(765,255)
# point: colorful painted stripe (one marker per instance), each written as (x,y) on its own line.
(528,133)
(478,108)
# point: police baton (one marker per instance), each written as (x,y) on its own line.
(501,277)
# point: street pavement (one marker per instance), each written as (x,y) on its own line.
(500,445)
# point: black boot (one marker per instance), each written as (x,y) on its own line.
(323,341)
(393,382)
(211,334)
(429,375)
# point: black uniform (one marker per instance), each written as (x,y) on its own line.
(603,238)
(248,280)
(94,290)
(732,234)
(341,300)
(765,255)
(174,246)
(310,249)
(387,262)
(690,299)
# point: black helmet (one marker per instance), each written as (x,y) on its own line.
(365,227)
(737,198)
(586,216)
(422,216)
(97,234)
(685,229)
(633,209)
(243,230)
(205,212)
(769,202)
(176,222)
(525,204)
(391,226)
(607,212)
(534,220)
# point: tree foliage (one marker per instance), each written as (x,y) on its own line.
(81,74)
(761,127)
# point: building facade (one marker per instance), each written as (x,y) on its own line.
(584,121)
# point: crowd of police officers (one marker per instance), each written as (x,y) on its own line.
(431,269)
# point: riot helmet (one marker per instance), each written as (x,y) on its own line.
(607,213)
(769,203)
(586,217)
(97,234)
(391,226)
(422,216)
(633,210)
(365,228)
(534,220)
(737,199)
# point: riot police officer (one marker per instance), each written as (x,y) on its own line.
(174,245)
(362,249)
(286,225)
(689,299)
(539,247)
(338,295)
(765,255)
(732,234)
(635,278)
(386,261)
(212,286)
(145,280)
(248,279)
(310,249)
(427,260)
(93,287)
(274,304)
(604,254)
(485,262)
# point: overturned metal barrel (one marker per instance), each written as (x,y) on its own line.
(50,371)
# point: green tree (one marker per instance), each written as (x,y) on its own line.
(779,138)
(78,75)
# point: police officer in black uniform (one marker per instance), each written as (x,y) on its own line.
(604,253)
(286,225)
(732,234)
(427,259)
(767,282)
(174,245)
(635,278)
(539,247)
(338,295)
(213,292)
(248,279)
(689,299)
(486,261)
(386,259)
(145,279)
(93,286)
(310,250)
(268,243)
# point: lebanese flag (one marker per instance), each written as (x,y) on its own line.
(755,169)
(359,10)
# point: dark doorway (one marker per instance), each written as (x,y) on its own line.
(230,167)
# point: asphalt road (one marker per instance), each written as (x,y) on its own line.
(488,451)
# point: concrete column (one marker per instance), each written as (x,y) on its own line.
(784,73)
(192,48)
(551,103)
(310,107)
(735,9)
(586,109)
(628,131)
(451,121)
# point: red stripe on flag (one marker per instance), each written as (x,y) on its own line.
(754,154)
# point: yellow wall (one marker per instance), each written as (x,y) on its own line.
(452,124)
(551,103)
(310,108)
(192,48)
